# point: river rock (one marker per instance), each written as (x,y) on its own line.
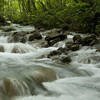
(66,59)
(30,84)
(45,44)
(1,48)
(13,87)
(77,39)
(43,74)
(18,37)
(4,97)
(53,53)
(69,44)
(91,59)
(55,35)
(17,49)
(8,29)
(35,35)
(62,50)
(75,47)
(86,40)
(93,42)
(52,42)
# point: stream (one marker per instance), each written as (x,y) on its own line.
(78,80)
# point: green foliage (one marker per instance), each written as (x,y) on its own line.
(78,15)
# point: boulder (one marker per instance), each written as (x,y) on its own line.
(61,49)
(29,85)
(52,42)
(55,34)
(12,87)
(53,53)
(35,35)
(43,74)
(18,37)
(86,40)
(1,48)
(77,39)
(45,44)
(17,49)
(93,42)
(4,97)
(75,47)
(69,44)
(66,59)
(89,60)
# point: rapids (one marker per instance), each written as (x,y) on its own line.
(79,80)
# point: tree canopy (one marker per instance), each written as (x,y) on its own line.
(78,15)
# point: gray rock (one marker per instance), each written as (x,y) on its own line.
(86,40)
(77,39)
(75,47)
(66,59)
(55,33)
(1,48)
(53,53)
(35,35)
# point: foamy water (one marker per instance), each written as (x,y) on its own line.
(79,80)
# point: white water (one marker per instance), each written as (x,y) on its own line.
(80,80)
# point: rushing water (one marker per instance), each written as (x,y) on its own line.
(79,80)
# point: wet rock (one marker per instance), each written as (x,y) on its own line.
(77,39)
(91,59)
(75,47)
(52,42)
(53,53)
(35,35)
(30,84)
(12,87)
(86,40)
(4,97)
(62,50)
(8,29)
(1,48)
(66,59)
(93,42)
(17,49)
(45,44)
(69,44)
(18,37)
(55,35)
(44,74)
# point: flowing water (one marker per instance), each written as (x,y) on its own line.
(79,80)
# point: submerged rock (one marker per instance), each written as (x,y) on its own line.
(17,49)
(28,85)
(1,48)
(4,97)
(91,59)
(18,37)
